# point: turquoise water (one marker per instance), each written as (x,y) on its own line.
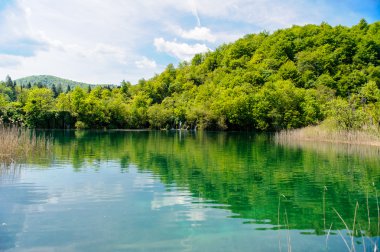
(178,191)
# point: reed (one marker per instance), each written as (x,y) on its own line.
(17,144)
(278,223)
(357,231)
(286,221)
(326,133)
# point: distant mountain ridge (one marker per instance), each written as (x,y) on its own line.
(49,80)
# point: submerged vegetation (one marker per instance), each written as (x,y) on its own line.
(291,78)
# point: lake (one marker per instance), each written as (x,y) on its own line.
(190,191)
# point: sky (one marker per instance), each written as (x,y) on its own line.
(97,41)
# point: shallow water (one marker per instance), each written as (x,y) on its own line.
(183,191)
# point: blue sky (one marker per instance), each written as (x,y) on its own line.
(99,41)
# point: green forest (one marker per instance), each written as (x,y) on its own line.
(287,79)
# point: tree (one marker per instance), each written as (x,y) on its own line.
(137,110)
(8,81)
(40,85)
(117,109)
(12,86)
(346,113)
(158,116)
(38,107)
(77,97)
(125,88)
(370,93)
(278,106)
(351,83)
(59,88)
(54,90)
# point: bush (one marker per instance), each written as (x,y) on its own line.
(80,125)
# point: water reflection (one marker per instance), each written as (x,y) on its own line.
(12,198)
(244,171)
(9,172)
(188,183)
(334,149)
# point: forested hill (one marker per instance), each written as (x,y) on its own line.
(49,81)
(288,79)
(291,78)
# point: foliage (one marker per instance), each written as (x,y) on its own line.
(288,79)
(38,107)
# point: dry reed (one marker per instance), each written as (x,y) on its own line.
(322,133)
(17,144)
(324,140)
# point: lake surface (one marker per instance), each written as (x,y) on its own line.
(190,191)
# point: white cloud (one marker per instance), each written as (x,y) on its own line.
(86,41)
(187,210)
(198,33)
(182,51)
(170,199)
(9,61)
(105,41)
(13,40)
(145,63)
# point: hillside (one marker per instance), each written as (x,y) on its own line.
(48,81)
(288,79)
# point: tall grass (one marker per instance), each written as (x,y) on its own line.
(327,133)
(355,231)
(357,237)
(17,144)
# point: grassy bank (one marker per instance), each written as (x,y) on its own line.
(19,143)
(325,132)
